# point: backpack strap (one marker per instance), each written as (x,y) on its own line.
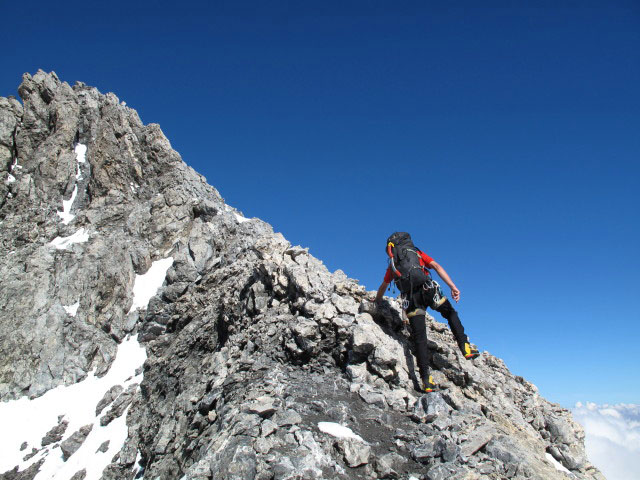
(391,253)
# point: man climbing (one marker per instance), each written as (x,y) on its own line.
(408,267)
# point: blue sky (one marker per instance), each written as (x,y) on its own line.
(504,138)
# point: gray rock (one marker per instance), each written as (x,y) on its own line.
(478,439)
(55,434)
(355,453)
(104,447)
(396,399)
(33,453)
(108,397)
(165,436)
(385,464)
(435,406)
(358,373)
(372,397)
(79,475)
(199,471)
(306,334)
(504,449)
(446,471)
(287,417)
(268,427)
(119,405)
(284,469)
(427,451)
(570,457)
(263,406)
(364,339)
(243,464)
(75,441)
(263,445)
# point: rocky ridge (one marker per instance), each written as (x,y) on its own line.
(257,355)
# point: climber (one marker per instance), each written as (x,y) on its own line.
(408,267)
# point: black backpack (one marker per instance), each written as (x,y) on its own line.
(404,262)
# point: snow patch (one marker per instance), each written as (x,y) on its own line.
(556,464)
(147,285)
(136,464)
(29,420)
(15,166)
(72,309)
(10,179)
(339,431)
(65,214)
(61,243)
(240,218)
(81,153)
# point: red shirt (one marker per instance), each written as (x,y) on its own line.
(425,260)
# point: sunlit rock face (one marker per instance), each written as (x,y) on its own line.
(147,328)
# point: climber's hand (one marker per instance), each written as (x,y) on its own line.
(455,294)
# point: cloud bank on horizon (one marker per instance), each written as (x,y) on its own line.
(612,438)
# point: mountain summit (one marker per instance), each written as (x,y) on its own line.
(147,328)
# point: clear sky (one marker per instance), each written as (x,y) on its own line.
(506,139)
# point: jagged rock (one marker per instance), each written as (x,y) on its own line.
(79,475)
(478,439)
(75,441)
(263,406)
(243,464)
(109,397)
(364,339)
(244,327)
(104,447)
(287,417)
(355,453)
(446,471)
(263,445)
(284,469)
(267,428)
(396,399)
(27,474)
(306,334)
(55,434)
(430,449)
(504,449)
(33,453)
(372,397)
(435,407)
(385,464)
(119,405)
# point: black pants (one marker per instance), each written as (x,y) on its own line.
(419,330)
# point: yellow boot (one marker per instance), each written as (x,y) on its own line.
(470,352)
(429,386)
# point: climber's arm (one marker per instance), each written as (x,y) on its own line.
(381,290)
(442,273)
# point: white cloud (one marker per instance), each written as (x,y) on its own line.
(612,438)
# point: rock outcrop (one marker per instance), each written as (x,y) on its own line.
(260,362)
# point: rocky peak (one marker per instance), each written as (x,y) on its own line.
(260,363)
